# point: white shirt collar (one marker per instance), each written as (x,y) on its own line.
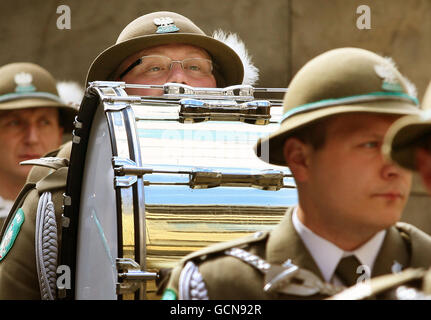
(327,255)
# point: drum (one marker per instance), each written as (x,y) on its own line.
(152,179)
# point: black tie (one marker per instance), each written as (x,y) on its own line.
(347,270)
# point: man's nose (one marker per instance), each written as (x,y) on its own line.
(32,134)
(390,170)
(177,74)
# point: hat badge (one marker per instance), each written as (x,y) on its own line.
(165,25)
(390,80)
(24,82)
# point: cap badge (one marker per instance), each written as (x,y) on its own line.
(23,81)
(165,25)
(390,79)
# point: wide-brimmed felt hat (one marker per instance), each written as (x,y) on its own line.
(165,27)
(403,136)
(27,85)
(342,80)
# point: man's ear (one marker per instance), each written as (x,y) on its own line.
(423,164)
(296,154)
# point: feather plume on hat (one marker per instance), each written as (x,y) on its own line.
(251,72)
(411,88)
(70,92)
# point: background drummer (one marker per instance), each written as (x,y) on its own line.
(33,119)
(163,47)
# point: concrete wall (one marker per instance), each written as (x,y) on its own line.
(281,35)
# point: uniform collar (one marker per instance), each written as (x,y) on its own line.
(327,255)
(284,243)
(394,254)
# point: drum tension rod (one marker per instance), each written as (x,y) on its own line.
(123,170)
(131,275)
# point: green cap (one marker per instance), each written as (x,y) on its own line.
(339,81)
(27,85)
(404,134)
(165,27)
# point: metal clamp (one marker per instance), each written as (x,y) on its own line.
(253,112)
(130,276)
(114,84)
(67,200)
(75,138)
(232,91)
(65,221)
(264,180)
(120,179)
(77,124)
(199,178)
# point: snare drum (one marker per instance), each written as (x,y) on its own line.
(152,179)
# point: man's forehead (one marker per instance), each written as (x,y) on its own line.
(174,51)
(174,48)
(360,122)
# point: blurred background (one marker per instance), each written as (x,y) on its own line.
(281,36)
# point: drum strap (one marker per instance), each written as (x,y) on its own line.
(46,247)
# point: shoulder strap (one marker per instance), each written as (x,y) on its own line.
(418,242)
(219,248)
(55,180)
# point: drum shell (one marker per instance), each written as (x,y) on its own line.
(153,224)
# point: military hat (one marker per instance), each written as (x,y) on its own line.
(27,85)
(403,136)
(165,27)
(339,81)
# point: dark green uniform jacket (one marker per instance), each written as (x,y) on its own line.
(227,277)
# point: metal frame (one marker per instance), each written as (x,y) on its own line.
(111,96)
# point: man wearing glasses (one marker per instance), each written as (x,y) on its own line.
(154,49)
(167,63)
(163,47)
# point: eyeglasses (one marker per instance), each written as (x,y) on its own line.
(155,66)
